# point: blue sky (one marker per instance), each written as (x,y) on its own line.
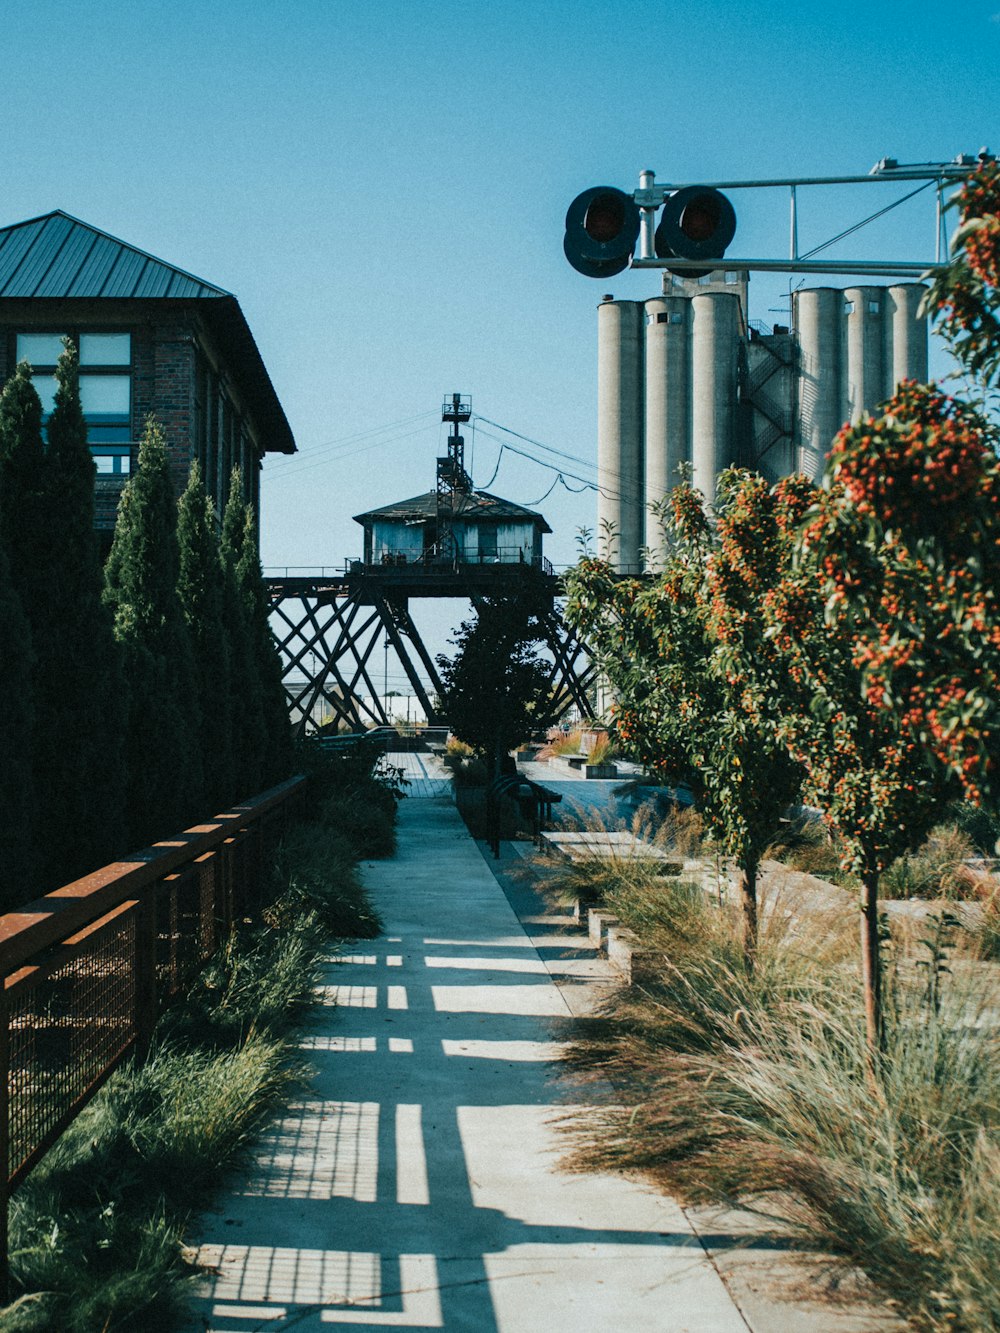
(383,186)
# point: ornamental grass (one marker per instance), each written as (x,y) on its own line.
(753,1090)
(594,880)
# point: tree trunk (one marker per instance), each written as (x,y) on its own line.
(493,798)
(748,903)
(871,967)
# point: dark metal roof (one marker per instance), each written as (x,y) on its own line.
(58,257)
(474,505)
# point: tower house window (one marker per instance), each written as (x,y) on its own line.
(487,542)
(105,388)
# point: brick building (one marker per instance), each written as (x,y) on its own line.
(152,340)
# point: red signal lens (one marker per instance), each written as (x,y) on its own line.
(602,227)
(605,218)
(697,223)
(700,218)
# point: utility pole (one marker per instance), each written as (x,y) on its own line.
(453,482)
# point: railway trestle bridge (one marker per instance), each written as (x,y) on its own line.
(328,625)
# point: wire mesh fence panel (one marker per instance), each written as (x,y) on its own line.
(71,1022)
(179,943)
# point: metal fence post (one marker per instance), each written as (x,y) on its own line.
(145,968)
(4,1145)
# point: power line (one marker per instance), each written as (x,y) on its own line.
(338,458)
(309,456)
(573,458)
(495,470)
(560,453)
(586,484)
(335,451)
(548,492)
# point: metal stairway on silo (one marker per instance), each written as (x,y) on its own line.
(771,415)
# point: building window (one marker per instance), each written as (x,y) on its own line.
(487,543)
(106,403)
(105,349)
(105,388)
(117,462)
(41,349)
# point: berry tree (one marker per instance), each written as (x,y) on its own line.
(692,674)
(888,617)
(965,297)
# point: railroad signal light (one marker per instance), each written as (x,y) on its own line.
(602,227)
(697,223)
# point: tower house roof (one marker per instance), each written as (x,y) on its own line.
(470,506)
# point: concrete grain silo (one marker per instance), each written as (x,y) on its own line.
(863,389)
(819,414)
(666,395)
(667,416)
(854,347)
(620,431)
(905,333)
(715,343)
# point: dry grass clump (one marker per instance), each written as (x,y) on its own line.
(935,869)
(596,879)
(602,750)
(988,932)
(596,744)
(456,749)
(807,845)
(561,743)
(465,766)
(680,829)
(728,1086)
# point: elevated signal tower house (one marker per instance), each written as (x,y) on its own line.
(451,542)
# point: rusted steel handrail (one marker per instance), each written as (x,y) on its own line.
(53,917)
(83,970)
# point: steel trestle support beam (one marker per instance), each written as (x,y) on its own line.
(327,636)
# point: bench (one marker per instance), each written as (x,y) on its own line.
(582,764)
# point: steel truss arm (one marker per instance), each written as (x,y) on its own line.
(569,683)
(397,621)
(327,639)
(332,665)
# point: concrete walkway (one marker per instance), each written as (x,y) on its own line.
(416,1182)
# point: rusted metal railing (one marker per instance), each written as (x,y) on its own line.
(87,968)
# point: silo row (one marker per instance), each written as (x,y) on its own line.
(668,390)
(666,394)
(855,345)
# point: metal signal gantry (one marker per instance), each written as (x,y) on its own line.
(605,227)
